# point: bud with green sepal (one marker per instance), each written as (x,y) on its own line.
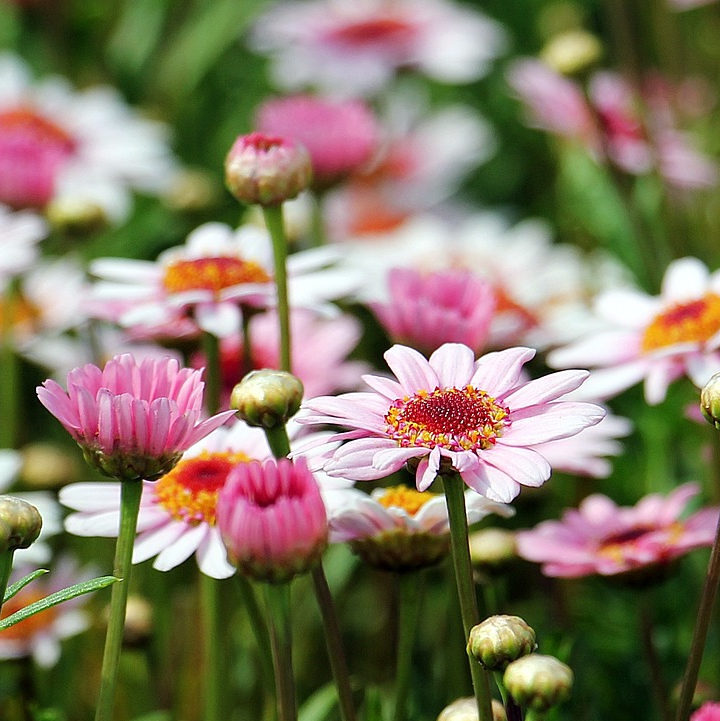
(267,398)
(538,681)
(498,640)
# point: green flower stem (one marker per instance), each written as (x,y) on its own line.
(454,487)
(246,362)
(697,647)
(278,601)
(652,659)
(410,588)
(338,663)
(212,632)
(274,222)
(213,375)
(278,441)
(131,492)
(10,386)
(6,561)
(318,235)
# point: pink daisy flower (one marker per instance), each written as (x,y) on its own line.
(178,513)
(341,136)
(216,271)
(355,47)
(87,146)
(709,711)
(427,310)
(655,338)
(132,419)
(477,416)
(603,538)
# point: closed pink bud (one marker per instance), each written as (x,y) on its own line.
(272,519)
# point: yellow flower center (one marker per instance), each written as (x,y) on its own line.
(459,419)
(618,545)
(189,491)
(28,628)
(693,322)
(406,498)
(213,274)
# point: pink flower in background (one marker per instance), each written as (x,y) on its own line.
(427,310)
(655,338)
(609,123)
(20,234)
(217,270)
(603,538)
(85,146)
(341,136)
(687,5)
(272,519)
(709,711)
(132,419)
(477,416)
(355,47)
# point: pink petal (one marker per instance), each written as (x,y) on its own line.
(550,421)
(547,388)
(454,364)
(411,369)
(498,372)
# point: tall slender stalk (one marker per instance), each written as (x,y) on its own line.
(6,561)
(10,386)
(274,222)
(212,653)
(651,657)
(278,600)
(131,492)
(454,494)
(410,593)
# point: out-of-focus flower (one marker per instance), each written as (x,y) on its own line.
(465,709)
(20,234)
(492,548)
(427,310)
(267,169)
(609,124)
(572,51)
(537,681)
(133,420)
(87,146)
(272,519)
(40,635)
(603,538)
(709,711)
(687,4)
(178,513)
(216,271)
(341,136)
(355,47)
(399,528)
(655,338)
(475,416)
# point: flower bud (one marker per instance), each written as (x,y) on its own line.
(537,681)
(572,51)
(710,401)
(465,709)
(266,169)
(20,523)
(492,548)
(498,640)
(267,398)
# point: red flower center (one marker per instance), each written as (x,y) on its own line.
(459,419)
(32,151)
(694,322)
(189,491)
(212,274)
(386,30)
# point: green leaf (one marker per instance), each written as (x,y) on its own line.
(55,598)
(320,704)
(19,585)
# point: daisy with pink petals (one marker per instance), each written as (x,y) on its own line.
(603,538)
(478,417)
(216,271)
(355,47)
(427,310)
(657,339)
(132,419)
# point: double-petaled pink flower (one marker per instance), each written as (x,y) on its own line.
(132,419)
(477,417)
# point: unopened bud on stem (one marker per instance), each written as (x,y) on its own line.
(20,523)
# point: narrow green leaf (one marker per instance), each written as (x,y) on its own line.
(55,598)
(19,585)
(320,704)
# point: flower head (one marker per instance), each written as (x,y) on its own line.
(477,417)
(709,711)
(132,419)
(603,538)
(538,681)
(272,519)
(655,338)
(267,169)
(341,136)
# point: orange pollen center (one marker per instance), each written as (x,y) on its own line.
(189,491)
(26,629)
(694,322)
(618,545)
(20,312)
(459,419)
(406,498)
(36,126)
(213,274)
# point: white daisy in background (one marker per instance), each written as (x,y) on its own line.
(177,513)
(40,635)
(655,339)
(84,146)
(355,47)
(38,553)
(217,270)
(20,234)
